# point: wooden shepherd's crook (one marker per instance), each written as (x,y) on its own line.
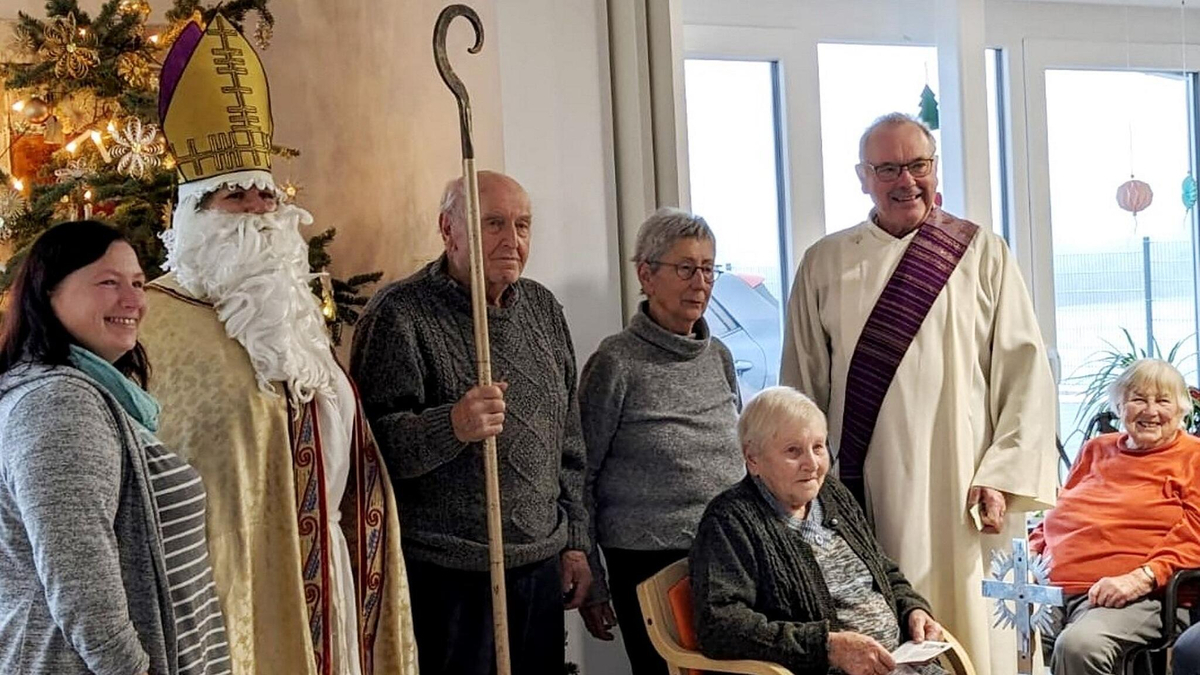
(479,311)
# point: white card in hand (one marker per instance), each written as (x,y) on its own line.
(976,512)
(919,652)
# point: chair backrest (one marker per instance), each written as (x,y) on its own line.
(668,623)
(654,595)
(661,624)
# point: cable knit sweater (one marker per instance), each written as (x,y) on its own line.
(413,359)
(659,416)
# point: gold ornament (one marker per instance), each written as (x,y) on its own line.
(79,110)
(134,7)
(168,37)
(328,305)
(65,45)
(289,190)
(23,39)
(136,70)
(263,32)
(139,146)
(36,110)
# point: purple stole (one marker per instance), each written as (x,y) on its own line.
(924,269)
(365,499)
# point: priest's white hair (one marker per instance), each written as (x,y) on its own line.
(254,269)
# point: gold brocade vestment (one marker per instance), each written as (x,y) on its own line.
(267,537)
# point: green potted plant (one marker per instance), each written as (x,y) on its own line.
(1105,366)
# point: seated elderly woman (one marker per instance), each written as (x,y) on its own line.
(784,567)
(658,403)
(1127,518)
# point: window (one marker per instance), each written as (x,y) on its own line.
(1114,274)
(855,90)
(735,163)
(997,127)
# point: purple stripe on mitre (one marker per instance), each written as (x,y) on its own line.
(174,65)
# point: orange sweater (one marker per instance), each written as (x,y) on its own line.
(1120,510)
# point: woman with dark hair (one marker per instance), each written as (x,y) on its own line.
(103,553)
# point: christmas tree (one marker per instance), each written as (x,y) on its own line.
(81,105)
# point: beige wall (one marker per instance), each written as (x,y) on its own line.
(354,87)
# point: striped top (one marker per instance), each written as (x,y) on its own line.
(179,498)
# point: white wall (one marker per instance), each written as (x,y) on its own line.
(557,135)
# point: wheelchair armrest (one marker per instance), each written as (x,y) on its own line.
(1170,605)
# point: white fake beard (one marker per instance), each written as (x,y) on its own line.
(254,269)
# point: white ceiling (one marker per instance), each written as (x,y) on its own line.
(1191,4)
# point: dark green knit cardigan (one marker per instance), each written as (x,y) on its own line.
(759,593)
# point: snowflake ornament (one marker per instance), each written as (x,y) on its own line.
(65,45)
(12,205)
(263,32)
(74,170)
(139,147)
(1039,572)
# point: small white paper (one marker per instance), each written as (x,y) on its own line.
(919,652)
(976,518)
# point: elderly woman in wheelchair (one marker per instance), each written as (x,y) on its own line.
(784,567)
(1127,519)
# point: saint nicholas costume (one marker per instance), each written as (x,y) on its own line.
(303,530)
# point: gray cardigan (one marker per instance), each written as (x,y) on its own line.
(82,578)
(659,415)
(757,587)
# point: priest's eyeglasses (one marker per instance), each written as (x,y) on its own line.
(918,168)
(685,271)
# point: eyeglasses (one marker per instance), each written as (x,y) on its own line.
(685,271)
(918,168)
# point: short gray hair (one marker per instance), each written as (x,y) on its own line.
(666,226)
(454,201)
(1150,376)
(766,412)
(890,120)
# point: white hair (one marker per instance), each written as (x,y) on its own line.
(254,269)
(891,120)
(1150,376)
(771,409)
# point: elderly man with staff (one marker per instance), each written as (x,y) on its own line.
(413,360)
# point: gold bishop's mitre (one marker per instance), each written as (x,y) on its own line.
(215,107)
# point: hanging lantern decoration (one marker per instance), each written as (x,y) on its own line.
(1134,196)
(1188,192)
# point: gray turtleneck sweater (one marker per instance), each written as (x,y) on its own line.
(659,414)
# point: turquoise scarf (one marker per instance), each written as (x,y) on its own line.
(140,405)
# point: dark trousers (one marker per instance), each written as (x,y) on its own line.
(627,569)
(452,619)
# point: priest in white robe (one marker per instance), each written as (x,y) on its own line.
(969,415)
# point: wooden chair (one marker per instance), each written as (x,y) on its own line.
(654,596)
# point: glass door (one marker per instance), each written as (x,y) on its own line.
(1121,286)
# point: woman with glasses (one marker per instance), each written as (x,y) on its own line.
(659,404)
